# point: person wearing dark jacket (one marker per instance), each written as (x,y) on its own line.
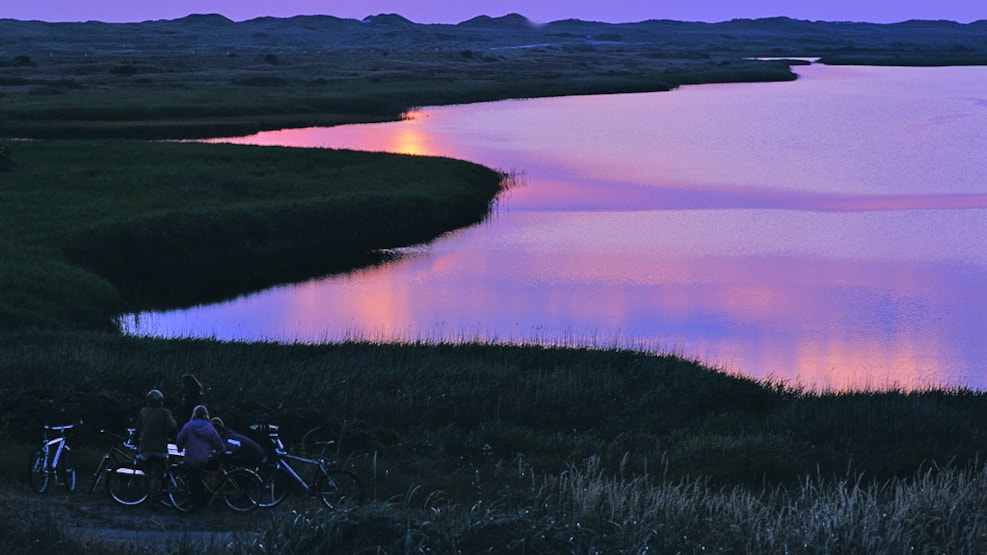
(199,440)
(240,448)
(192,396)
(155,426)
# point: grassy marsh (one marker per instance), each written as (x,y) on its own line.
(93,227)
(465,448)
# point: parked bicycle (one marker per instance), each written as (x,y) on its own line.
(122,452)
(126,483)
(53,461)
(240,488)
(337,488)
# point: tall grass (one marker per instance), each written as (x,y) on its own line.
(434,414)
(586,510)
(175,223)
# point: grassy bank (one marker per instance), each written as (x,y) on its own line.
(91,228)
(456,408)
(275,98)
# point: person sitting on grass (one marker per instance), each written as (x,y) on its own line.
(241,449)
(200,440)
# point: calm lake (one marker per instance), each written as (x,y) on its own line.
(829,231)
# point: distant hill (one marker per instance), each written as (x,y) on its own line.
(509,21)
(754,37)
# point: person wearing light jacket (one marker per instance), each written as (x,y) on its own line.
(200,440)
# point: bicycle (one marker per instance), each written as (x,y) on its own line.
(53,459)
(240,488)
(126,483)
(337,488)
(121,453)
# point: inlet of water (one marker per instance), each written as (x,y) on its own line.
(828,231)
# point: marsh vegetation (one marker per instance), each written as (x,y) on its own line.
(467,447)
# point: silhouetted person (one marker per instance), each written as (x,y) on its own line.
(155,426)
(192,396)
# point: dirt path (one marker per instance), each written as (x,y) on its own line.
(97,518)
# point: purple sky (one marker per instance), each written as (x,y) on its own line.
(455,11)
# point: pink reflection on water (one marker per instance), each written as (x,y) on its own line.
(829,231)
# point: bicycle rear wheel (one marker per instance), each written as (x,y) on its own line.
(340,490)
(126,485)
(277,484)
(241,490)
(66,470)
(38,471)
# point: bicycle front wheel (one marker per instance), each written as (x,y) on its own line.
(276,482)
(340,490)
(99,474)
(126,485)
(66,470)
(179,490)
(241,490)
(38,471)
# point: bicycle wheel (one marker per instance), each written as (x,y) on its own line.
(277,484)
(340,490)
(66,470)
(38,471)
(241,490)
(98,475)
(126,485)
(179,491)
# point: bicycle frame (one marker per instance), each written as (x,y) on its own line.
(283,456)
(283,463)
(120,454)
(60,440)
(336,487)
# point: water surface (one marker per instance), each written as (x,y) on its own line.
(828,231)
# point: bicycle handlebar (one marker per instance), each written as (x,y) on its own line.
(127,441)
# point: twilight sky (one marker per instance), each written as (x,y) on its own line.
(455,11)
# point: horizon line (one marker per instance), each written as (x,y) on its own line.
(509,15)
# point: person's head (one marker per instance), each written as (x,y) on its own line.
(200,412)
(218,423)
(155,398)
(191,385)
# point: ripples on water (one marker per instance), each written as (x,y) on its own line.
(829,231)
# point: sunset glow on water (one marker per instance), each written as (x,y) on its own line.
(829,231)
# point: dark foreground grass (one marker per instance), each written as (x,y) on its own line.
(434,414)
(582,510)
(520,449)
